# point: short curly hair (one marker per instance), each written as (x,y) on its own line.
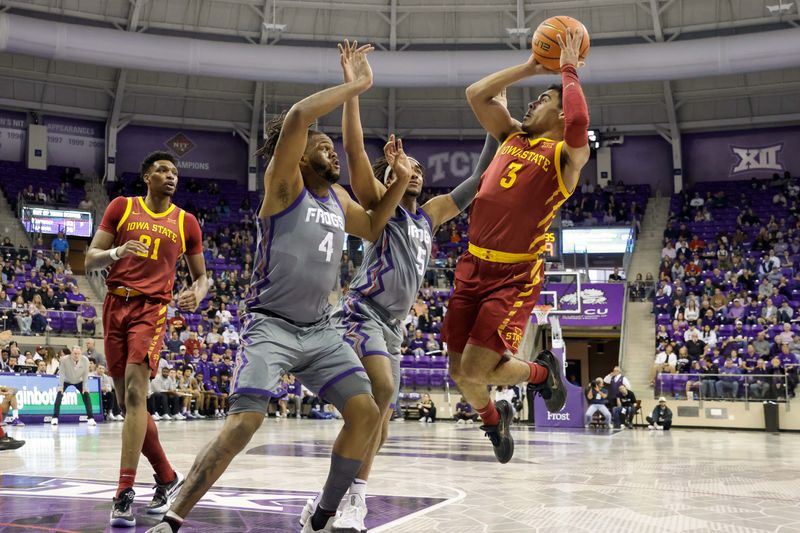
(272,133)
(150,160)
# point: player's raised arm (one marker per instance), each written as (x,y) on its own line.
(369,224)
(493,116)
(101,252)
(367,189)
(282,179)
(576,112)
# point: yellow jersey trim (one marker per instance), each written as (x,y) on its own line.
(147,210)
(511,136)
(126,214)
(495,256)
(181,215)
(561,185)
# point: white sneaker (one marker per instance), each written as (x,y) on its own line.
(353,514)
(422,420)
(470,421)
(54,422)
(278,414)
(119,418)
(91,423)
(156,417)
(196,414)
(308,528)
(651,427)
(460,422)
(308,510)
(659,428)
(179,416)
(166,417)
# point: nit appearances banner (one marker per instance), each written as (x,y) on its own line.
(36,396)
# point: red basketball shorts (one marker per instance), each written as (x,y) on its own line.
(134,332)
(491,304)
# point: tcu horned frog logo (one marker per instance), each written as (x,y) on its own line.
(751,159)
(588,296)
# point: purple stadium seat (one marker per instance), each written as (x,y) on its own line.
(438,378)
(438,361)
(422,379)
(663,385)
(54,320)
(407,361)
(423,361)
(69,323)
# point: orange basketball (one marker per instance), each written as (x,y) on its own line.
(545,42)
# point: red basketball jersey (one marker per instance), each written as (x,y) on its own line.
(519,196)
(168,235)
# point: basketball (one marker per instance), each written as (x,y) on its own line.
(545,45)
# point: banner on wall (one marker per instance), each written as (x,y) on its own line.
(75,143)
(741,155)
(200,154)
(12,135)
(602,303)
(36,397)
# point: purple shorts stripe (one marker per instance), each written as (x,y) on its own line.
(338,378)
(258,392)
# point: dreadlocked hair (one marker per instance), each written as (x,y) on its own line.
(272,133)
(379,168)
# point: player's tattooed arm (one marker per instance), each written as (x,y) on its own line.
(367,189)
(369,224)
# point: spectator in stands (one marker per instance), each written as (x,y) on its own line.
(709,336)
(769,314)
(165,397)
(73,371)
(6,311)
(710,369)
(718,301)
(665,361)
(759,385)
(690,332)
(761,344)
(615,276)
(38,314)
(41,196)
(427,409)
(785,312)
(60,245)
(695,347)
(597,396)
(417,345)
(669,252)
(728,384)
(625,408)
(22,315)
(190,390)
(465,413)
(661,418)
(615,379)
(691,312)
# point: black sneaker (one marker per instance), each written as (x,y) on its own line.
(7,443)
(165,493)
(122,513)
(552,389)
(500,435)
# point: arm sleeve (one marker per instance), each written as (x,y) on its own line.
(465,192)
(576,113)
(114,213)
(194,235)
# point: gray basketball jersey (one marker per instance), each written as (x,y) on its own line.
(297,258)
(395,264)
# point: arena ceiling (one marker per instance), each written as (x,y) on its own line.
(59,87)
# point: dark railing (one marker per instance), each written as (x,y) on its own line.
(731,387)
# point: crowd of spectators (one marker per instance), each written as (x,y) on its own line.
(610,205)
(728,291)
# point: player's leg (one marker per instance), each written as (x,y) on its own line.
(87,403)
(379,370)
(215,457)
(6,442)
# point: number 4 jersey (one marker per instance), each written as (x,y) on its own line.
(297,258)
(168,236)
(519,196)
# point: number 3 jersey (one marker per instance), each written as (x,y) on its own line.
(519,195)
(297,258)
(395,264)
(168,236)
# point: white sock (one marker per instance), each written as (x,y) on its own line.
(359,487)
(15,412)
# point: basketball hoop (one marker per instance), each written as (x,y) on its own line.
(541,312)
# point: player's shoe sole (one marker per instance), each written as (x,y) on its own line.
(161,503)
(552,389)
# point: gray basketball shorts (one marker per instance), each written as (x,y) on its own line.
(370,332)
(271,347)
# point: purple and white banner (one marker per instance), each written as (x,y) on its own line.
(571,415)
(73,142)
(12,135)
(741,155)
(200,154)
(601,303)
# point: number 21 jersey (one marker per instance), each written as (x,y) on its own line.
(168,236)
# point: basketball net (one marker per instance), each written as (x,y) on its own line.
(541,312)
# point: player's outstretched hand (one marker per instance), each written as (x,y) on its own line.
(397,158)
(187,301)
(571,47)
(354,62)
(133,247)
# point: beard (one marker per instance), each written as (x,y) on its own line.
(326,172)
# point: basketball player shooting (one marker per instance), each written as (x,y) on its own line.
(499,277)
